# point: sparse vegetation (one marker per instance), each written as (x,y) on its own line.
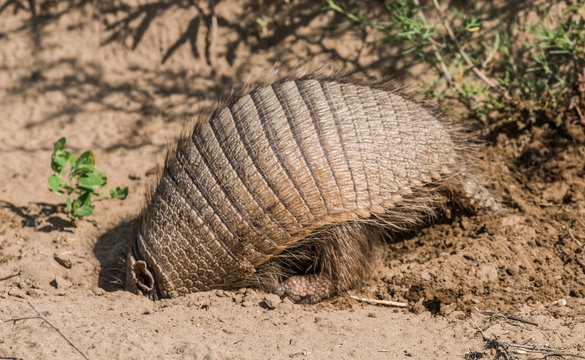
(80,180)
(486,71)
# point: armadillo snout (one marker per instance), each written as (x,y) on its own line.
(139,278)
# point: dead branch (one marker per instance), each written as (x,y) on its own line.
(58,330)
(535,349)
(9,276)
(463,54)
(15,319)
(498,344)
(507,316)
(436,52)
(380,302)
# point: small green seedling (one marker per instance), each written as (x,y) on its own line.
(80,180)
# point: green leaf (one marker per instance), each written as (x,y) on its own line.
(85,188)
(55,183)
(105,178)
(58,161)
(69,206)
(90,179)
(86,158)
(81,170)
(85,199)
(67,187)
(75,205)
(84,210)
(72,160)
(119,193)
(59,145)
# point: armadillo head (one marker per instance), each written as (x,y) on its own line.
(168,259)
(142,278)
(139,278)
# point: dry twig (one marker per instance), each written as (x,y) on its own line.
(15,319)
(9,276)
(536,349)
(436,52)
(380,302)
(507,316)
(44,318)
(497,343)
(463,54)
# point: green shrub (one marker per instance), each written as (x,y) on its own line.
(80,180)
(493,79)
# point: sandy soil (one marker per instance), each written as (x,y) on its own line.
(123,78)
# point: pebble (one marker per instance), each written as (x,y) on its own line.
(286,304)
(487,273)
(16,293)
(63,260)
(60,283)
(271,301)
(98,291)
(35,293)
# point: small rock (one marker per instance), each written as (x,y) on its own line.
(271,301)
(418,308)
(487,273)
(447,309)
(60,283)
(512,220)
(426,276)
(560,302)
(16,293)
(98,291)
(457,314)
(298,354)
(63,259)
(251,292)
(220,293)
(286,304)
(34,293)
(556,192)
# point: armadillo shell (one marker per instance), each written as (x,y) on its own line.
(275,165)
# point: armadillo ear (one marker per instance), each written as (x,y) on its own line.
(142,277)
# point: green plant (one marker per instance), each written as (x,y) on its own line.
(495,80)
(80,180)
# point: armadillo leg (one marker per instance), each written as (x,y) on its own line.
(306,289)
(341,256)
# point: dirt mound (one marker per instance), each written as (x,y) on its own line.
(530,253)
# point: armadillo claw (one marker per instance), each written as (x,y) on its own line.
(307,289)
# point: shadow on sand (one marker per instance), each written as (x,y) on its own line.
(110,250)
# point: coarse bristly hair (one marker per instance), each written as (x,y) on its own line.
(345,251)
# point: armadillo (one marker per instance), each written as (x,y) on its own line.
(291,187)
